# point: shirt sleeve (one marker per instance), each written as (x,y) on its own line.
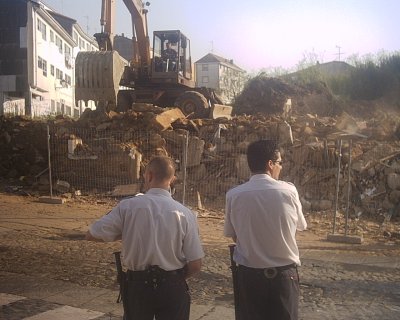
(109,227)
(192,247)
(229,231)
(301,222)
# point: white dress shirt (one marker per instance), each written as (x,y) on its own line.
(155,229)
(264,214)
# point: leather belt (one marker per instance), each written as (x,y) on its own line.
(271,272)
(153,272)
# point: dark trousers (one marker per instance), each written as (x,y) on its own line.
(161,295)
(268,294)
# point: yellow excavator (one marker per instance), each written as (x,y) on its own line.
(162,76)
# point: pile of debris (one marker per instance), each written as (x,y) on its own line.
(216,148)
(273,96)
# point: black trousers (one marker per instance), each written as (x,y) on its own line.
(156,294)
(268,294)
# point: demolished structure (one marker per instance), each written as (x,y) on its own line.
(106,153)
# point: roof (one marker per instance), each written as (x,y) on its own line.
(212,58)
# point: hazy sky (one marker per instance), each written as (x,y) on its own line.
(260,34)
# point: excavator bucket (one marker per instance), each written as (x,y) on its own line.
(98,74)
(220,111)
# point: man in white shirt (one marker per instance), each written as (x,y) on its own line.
(262,216)
(160,246)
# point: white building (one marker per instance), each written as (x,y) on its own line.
(220,74)
(37,60)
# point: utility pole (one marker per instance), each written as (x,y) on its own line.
(87,24)
(339,52)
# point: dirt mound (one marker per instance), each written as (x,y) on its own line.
(267,95)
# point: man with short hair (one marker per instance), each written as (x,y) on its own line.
(160,246)
(262,216)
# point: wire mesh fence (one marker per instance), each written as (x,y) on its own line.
(112,163)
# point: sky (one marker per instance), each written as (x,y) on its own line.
(262,34)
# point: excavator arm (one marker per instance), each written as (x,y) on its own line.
(140,33)
(105,38)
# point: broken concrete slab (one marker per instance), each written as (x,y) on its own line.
(344,238)
(126,190)
(164,120)
(52,200)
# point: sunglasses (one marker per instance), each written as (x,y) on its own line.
(278,162)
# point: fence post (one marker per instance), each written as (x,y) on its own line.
(184,164)
(348,191)
(337,185)
(49,160)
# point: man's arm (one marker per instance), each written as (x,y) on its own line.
(89,237)
(192,267)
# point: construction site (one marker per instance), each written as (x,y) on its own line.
(343,158)
(76,141)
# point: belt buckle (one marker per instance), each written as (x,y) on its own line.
(270,273)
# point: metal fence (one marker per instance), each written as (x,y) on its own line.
(209,164)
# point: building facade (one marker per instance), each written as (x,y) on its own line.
(221,74)
(37,52)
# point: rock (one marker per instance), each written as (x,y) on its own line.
(242,168)
(321,205)
(62,186)
(393,181)
(164,120)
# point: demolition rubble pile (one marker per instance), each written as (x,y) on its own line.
(216,154)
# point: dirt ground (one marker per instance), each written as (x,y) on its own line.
(47,240)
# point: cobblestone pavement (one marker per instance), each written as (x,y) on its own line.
(330,290)
(47,270)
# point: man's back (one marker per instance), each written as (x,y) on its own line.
(272,211)
(155,227)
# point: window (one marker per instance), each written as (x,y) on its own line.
(53,106)
(205,79)
(204,67)
(67,52)
(76,37)
(59,44)
(68,79)
(51,36)
(42,64)
(59,74)
(52,70)
(41,26)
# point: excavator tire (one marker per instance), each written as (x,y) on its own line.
(193,104)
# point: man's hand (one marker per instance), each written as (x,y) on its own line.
(192,267)
(89,237)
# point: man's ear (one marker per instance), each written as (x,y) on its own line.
(173,179)
(268,165)
(150,176)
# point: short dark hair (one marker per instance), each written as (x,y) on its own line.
(260,152)
(163,167)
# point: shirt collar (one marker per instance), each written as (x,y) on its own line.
(159,191)
(260,176)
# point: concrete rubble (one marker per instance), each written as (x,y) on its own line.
(216,150)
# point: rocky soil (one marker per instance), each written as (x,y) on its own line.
(45,240)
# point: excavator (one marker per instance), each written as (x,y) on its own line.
(161,75)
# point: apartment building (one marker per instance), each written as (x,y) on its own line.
(221,74)
(37,52)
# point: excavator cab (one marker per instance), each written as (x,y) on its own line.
(171,61)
